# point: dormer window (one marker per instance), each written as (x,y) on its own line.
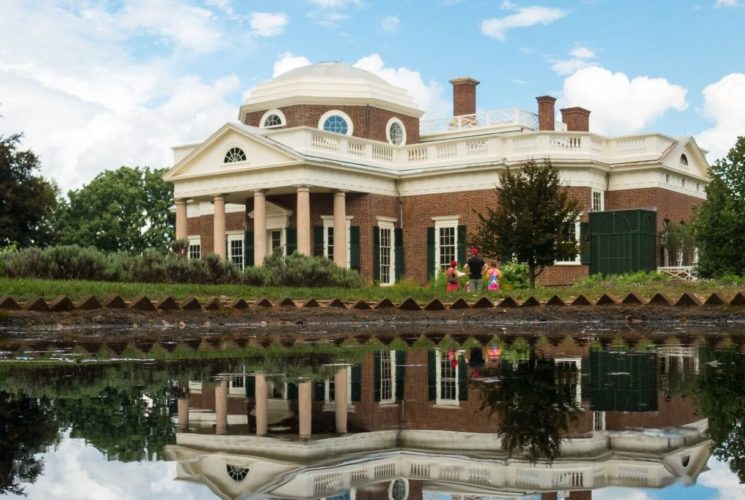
(337,122)
(234,155)
(272,119)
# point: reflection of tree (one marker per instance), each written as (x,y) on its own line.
(26,428)
(122,423)
(720,395)
(535,400)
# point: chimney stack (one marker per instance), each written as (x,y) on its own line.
(577,119)
(546,112)
(464,96)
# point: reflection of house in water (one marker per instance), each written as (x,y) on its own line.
(411,425)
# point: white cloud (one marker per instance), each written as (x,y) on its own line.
(287,61)
(720,478)
(335,4)
(616,493)
(390,24)
(581,52)
(268,24)
(525,17)
(427,95)
(727,3)
(724,104)
(581,57)
(619,104)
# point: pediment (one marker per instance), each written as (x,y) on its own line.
(209,157)
(686,156)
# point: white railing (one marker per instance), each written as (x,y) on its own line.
(685,273)
(499,117)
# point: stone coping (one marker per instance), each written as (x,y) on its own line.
(143,303)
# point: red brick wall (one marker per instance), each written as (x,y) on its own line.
(464,96)
(368,122)
(546,113)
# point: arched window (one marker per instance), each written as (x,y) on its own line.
(272,119)
(337,122)
(234,154)
(683,161)
(236,473)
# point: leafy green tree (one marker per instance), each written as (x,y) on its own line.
(532,221)
(127,209)
(27,201)
(719,223)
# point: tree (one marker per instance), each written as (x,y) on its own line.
(719,223)
(533,220)
(27,201)
(127,209)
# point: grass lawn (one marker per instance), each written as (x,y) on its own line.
(646,285)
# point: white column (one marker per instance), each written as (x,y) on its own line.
(304,409)
(340,399)
(219,226)
(221,407)
(303,220)
(181,231)
(183,414)
(262,397)
(259,227)
(340,229)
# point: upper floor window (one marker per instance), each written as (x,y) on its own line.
(234,155)
(683,161)
(337,122)
(396,132)
(597,201)
(272,119)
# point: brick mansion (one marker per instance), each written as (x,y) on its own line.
(331,160)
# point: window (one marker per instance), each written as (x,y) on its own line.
(275,242)
(387,253)
(272,119)
(236,473)
(328,238)
(683,161)
(395,132)
(330,388)
(195,248)
(235,249)
(388,377)
(447,379)
(446,242)
(572,236)
(337,122)
(597,201)
(598,420)
(234,155)
(667,178)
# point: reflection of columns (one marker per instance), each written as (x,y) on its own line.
(181,231)
(259,227)
(303,220)
(221,407)
(304,409)
(219,226)
(340,400)
(262,396)
(183,414)
(340,229)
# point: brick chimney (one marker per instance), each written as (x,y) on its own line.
(464,96)
(577,119)
(546,112)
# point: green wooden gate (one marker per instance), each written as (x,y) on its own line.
(622,241)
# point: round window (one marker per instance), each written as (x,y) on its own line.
(396,133)
(336,124)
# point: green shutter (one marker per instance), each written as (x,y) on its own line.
(462,380)
(584,238)
(376,360)
(461,252)
(430,253)
(318,241)
(399,253)
(354,247)
(248,248)
(400,367)
(291,239)
(319,391)
(292,392)
(250,387)
(376,254)
(356,383)
(432,374)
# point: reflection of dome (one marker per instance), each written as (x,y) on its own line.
(330,83)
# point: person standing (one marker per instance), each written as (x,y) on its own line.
(493,275)
(475,269)
(453,277)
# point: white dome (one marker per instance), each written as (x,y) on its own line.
(330,83)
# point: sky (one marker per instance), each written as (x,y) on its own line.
(94,85)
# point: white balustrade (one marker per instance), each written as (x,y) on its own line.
(630,146)
(447,150)
(417,154)
(420,471)
(476,148)
(382,153)
(356,148)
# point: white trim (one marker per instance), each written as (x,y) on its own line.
(236,236)
(332,112)
(593,192)
(277,112)
(388,131)
(194,240)
(438,381)
(388,226)
(442,222)
(328,223)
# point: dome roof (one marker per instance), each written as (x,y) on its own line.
(330,83)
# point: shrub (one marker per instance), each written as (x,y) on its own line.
(220,271)
(148,267)
(302,270)
(63,262)
(255,276)
(515,274)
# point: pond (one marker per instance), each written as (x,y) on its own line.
(569,412)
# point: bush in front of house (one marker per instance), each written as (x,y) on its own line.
(302,270)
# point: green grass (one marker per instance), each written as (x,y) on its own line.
(645,285)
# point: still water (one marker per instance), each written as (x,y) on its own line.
(389,415)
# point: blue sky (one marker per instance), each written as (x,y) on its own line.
(94,85)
